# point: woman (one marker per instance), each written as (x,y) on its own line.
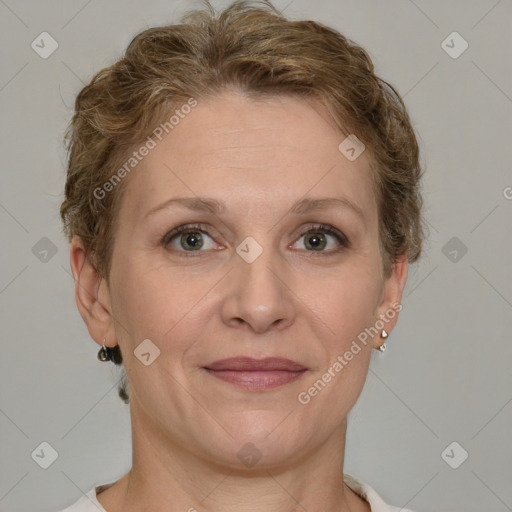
(242,202)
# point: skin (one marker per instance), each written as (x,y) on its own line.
(259,158)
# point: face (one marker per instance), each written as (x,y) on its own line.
(280,260)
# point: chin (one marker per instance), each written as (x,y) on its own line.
(260,440)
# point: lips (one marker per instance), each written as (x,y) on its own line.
(249,364)
(256,374)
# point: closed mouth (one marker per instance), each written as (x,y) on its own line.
(256,374)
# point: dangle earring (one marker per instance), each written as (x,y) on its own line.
(104,353)
(383,335)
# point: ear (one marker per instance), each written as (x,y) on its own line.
(393,288)
(91,295)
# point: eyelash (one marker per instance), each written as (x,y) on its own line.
(312,229)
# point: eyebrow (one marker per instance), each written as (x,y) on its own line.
(301,207)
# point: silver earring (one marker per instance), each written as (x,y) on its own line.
(383,335)
(104,353)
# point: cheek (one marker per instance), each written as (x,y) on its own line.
(156,303)
(136,307)
(347,310)
(349,302)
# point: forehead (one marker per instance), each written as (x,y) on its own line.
(237,149)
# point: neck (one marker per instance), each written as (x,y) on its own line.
(176,479)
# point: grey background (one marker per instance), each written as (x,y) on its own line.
(446,375)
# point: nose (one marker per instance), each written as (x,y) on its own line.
(257,294)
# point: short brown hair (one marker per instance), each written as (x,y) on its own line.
(249,46)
